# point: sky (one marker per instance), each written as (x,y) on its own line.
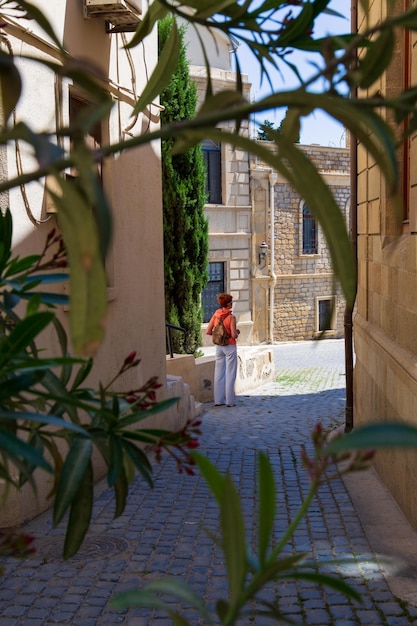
(317,128)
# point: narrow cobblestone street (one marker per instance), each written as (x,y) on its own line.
(162,530)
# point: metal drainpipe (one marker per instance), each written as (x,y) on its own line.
(273,177)
(348,318)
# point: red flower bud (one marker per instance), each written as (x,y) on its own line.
(193,443)
(367,456)
(51,234)
(130,358)
(28,539)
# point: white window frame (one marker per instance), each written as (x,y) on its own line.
(333,319)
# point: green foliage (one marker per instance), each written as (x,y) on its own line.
(263,133)
(184,196)
(88,289)
(289,125)
(49,418)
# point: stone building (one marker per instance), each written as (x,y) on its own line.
(228,209)
(385,376)
(294,293)
(289,294)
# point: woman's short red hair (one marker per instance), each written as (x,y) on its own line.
(224,299)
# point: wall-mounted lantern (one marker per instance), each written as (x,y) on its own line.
(263,252)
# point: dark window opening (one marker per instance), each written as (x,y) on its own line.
(214,286)
(309,232)
(93,138)
(212,158)
(325,315)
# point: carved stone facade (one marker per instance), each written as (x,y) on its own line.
(294,294)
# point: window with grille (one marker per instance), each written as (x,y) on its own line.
(214,286)
(212,157)
(309,232)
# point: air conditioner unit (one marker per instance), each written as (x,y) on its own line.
(122,15)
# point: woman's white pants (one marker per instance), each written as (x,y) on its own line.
(225,374)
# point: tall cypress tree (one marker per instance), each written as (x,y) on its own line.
(184,197)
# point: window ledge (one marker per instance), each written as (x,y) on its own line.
(325,333)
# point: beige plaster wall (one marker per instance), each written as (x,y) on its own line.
(132,181)
(217,47)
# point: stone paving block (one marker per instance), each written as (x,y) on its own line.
(318,616)
(341,612)
(60,617)
(390,608)
(14,611)
(37,613)
(86,622)
(370,618)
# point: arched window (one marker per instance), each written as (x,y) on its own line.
(309,232)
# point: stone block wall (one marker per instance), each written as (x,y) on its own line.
(385,377)
(295,313)
(298,280)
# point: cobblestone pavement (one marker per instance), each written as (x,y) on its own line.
(161,530)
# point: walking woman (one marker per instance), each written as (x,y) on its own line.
(226,356)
